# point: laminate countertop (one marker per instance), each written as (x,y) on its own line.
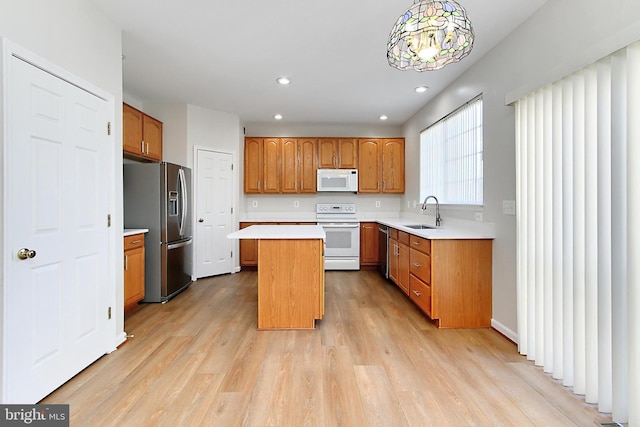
(279,232)
(132,231)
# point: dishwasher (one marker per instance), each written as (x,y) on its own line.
(383,250)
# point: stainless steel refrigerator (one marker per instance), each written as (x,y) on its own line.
(157,196)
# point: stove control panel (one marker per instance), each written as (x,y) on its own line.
(336,208)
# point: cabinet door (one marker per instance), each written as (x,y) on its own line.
(393,165)
(327,153)
(289,164)
(347,153)
(131,130)
(368,166)
(253,165)
(248,248)
(271,165)
(369,243)
(403,267)
(152,136)
(133,270)
(393,260)
(308,162)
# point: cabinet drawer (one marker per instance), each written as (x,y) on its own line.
(403,237)
(133,241)
(420,265)
(423,245)
(393,233)
(420,294)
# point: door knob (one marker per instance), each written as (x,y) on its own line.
(200,220)
(25,253)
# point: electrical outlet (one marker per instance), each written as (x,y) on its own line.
(478,216)
(377,203)
(255,204)
(296,204)
(414,204)
(509,207)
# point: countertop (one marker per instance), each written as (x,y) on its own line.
(451,228)
(457,230)
(132,231)
(279,232)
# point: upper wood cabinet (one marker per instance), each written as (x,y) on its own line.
(141,134)
(308,165)
(381,165)
(280,165)
(337,153)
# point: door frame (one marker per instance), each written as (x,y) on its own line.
(8,50)
(234,204)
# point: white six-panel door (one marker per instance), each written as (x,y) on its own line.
(57,185)
(214,201)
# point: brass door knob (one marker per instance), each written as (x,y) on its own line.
(25,253)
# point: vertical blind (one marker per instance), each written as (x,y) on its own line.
(578,228)
(451,157)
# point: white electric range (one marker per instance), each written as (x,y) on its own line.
(342,228)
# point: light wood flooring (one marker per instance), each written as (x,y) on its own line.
(374,360)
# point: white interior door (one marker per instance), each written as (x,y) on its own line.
(55,297)
(214,203)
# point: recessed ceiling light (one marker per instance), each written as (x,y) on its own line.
(383,117)
(421,89)
(283,80)
(278,117)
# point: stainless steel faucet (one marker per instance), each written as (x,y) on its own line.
(424,206)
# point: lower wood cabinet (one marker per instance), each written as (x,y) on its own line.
(448,279)
(369,252)
(133,270)
(249,247)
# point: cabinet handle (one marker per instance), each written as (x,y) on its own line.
(417,293)
(134,242)
(147,148)
(417,265)
(126,262)
(416,243)
(142,146)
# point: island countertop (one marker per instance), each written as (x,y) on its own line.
(279,232)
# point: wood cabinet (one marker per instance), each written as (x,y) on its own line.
(369,253)
(399,259)
(381,165)
(337,153)
(280,165)
(448,279)
(308,165)
(248,248)
(141,135)
(133,270)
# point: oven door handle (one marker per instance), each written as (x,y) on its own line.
(356,225)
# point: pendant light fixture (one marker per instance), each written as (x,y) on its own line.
(430,35)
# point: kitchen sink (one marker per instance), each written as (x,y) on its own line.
(420,226)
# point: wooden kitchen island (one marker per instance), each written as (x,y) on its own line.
(290,274)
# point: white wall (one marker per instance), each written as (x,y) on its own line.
(561,37)
(75,36)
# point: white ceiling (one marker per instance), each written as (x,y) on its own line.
(226,55)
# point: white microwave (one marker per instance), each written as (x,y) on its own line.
(337,180)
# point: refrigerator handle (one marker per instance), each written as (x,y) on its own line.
(185,202)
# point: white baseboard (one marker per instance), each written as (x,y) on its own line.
(513,336)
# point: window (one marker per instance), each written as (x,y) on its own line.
(451,157)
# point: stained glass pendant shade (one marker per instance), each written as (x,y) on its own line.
(430,35)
